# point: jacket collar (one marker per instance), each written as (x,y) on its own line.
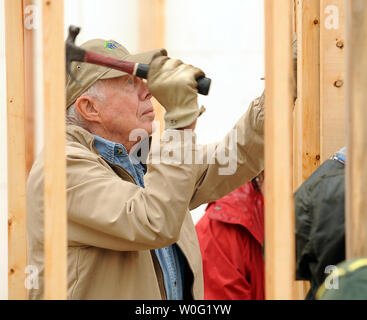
(80,135)
(244,206)
(84,137)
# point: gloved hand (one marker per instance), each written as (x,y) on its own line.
(173,84)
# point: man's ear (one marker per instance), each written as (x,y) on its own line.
(86,107)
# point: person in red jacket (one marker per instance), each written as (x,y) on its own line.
(231,236)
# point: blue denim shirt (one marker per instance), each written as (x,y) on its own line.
(171,258)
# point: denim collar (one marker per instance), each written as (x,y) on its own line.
(109,149)
(117,154)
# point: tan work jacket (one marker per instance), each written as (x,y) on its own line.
(115,225)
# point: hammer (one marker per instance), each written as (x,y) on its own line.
(75,53)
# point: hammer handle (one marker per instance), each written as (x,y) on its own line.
(137,69)
(95,58)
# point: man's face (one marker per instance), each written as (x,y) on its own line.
(125,107)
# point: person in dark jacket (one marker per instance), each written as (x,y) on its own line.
(320,233)
(231,235)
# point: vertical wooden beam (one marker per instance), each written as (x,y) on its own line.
(55,163)
(297,161)
(306,126)
(332,75)
(152,24)
(16,148)
(307,131)
(356,202)
(152,36)
(279,216)
(29,42)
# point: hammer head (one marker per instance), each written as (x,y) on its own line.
(73,52)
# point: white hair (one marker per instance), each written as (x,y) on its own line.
(95,91)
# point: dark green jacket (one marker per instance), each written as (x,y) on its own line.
(320,235)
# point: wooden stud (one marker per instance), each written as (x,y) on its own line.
(29,44)
(356,181)
(152,36)
(152,24)
(279,216)
(55,164)
(306,123)
(16,148)
(332,75)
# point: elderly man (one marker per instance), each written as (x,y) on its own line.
(130,233)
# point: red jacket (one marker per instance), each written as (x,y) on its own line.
(231,235)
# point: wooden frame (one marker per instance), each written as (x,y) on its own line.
(29,44)
(356,182)
(307,109)
(279,217)
(332,75)
(15,77)
(152,23)
(306,114)
(55,164)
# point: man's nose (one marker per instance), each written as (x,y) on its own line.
(144,93)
